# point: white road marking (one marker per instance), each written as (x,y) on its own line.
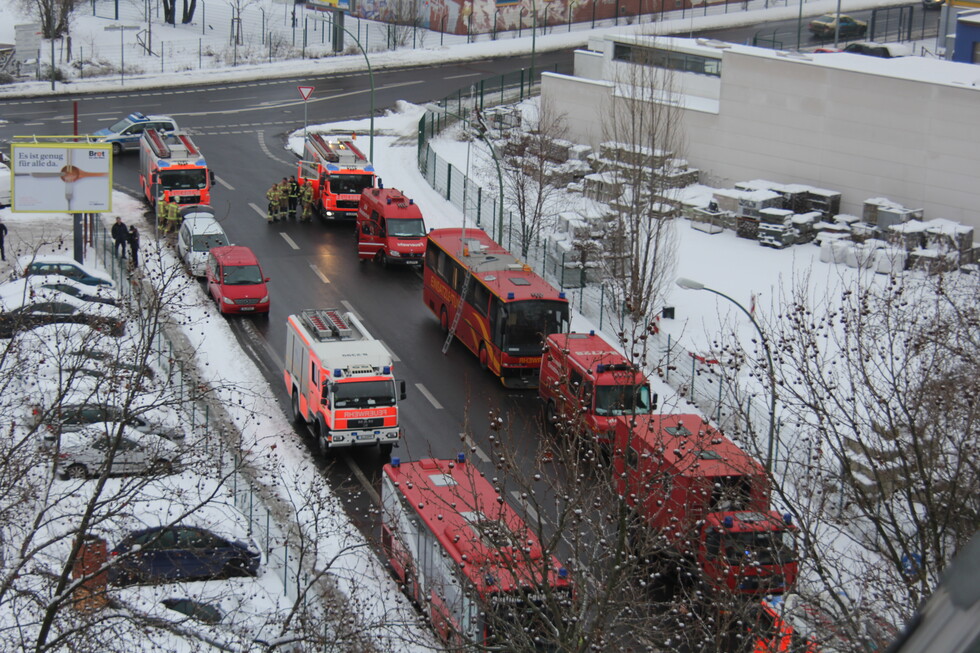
(316,271)
(224,183)
(428,395)
(288,240)
(531,512)
(461,76)
(474,448)
(262,214)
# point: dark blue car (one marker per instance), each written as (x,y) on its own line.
(175,553)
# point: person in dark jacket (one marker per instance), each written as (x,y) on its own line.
(292,196)
(134,245)
(3,236)
(120,235)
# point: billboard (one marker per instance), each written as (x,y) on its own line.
(61,177)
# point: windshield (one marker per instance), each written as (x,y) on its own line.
(121,125)
(765,548)
(622,400)
(524,325)
(406,228)
(242,275)
(206,242)
(533,617)
(195,179)
(350,184)
(361,394)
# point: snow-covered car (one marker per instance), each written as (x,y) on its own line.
(86,452)
(101,294)
(23,306)
(197,235)
(75,413)
(64,266)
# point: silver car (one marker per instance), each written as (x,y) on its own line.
(197,235)
(86,452)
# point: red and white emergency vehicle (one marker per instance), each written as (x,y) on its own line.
(390,228)
(467,558)
(691,484)
(338,172)
(172,167)
(340,381)
(587,384)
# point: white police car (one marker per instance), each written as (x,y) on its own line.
(125,134)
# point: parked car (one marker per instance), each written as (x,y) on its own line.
(100,294)
(23,308)
(74,414)
(883,50)
(170,553)
(197,236)
(826,26)
(85,452)
(125,134)
(235,280)
(64,266)
(4,185)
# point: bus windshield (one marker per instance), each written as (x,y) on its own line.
(522,326)
(359,394)
(406,228)
(194,179)
(529,613)
(622,399)
(350,184)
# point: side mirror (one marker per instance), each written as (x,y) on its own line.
(211,176)
(402,391)
(267,279)
(381,184)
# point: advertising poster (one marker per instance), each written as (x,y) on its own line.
(61,177)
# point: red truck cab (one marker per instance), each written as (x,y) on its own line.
(390,228)
(586,385)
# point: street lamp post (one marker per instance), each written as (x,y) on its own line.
(689,284)
(484,133)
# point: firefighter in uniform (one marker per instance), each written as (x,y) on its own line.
(306,197)
(273,196)
(161,214)
(283,199)
(292,195)
(173,216)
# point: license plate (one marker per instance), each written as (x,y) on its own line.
(248,308)
(365,437)
(412,262)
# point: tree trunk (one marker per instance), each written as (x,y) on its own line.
(169,12)
(189,8)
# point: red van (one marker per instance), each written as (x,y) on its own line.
(236,282)
(390,228)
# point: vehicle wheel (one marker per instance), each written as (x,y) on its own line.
(297,415)
(444,320)
(163,467)
(551,417)
(385,449)
(484,357)
(76,471)
(379,257)
(116,149)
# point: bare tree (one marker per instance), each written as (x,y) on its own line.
(531,160)
(54,15)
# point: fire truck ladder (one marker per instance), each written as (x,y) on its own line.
(459,310)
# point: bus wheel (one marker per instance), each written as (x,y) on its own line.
(484,357)
(444,320)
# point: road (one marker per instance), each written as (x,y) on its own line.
(241,127)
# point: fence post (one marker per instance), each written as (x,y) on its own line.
(693,369)
(449,181)
(479,204)
(602,302)
(718,412)
(667,365)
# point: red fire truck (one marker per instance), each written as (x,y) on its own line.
(693,485)
(338,172)
(466,557)
(586,385)
(171,167)
(340,381)
(492,302)
(390,228)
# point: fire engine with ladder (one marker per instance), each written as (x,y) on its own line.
(340,381)
(338,172)
(172,167)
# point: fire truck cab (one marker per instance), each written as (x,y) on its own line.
(390,228)
(586,385)
(340,381)
(172,167)
(689,482)
(338,172)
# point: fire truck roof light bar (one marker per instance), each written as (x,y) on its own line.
(461,458)
(396,462)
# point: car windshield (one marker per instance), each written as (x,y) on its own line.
(242,275)
(358,394)
(195,179)
(205,242)
(350,184)
(764,548)
(622,399)
(824,19)
(121,125)
(406,228)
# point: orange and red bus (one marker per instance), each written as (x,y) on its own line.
(508,310)
(466,557)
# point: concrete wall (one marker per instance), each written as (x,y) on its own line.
(845,128)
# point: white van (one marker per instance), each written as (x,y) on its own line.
(197,235)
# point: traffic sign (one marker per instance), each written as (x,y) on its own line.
(306,91)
